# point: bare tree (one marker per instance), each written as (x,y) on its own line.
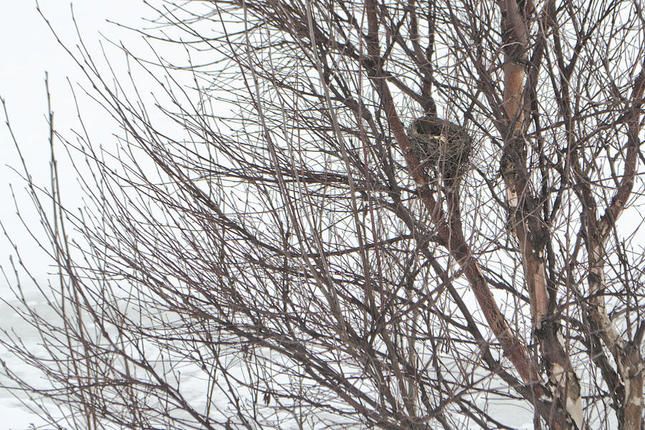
(356,214)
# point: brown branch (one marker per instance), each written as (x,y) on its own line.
(609,218)
(454,240)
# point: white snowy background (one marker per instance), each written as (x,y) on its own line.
(28,49)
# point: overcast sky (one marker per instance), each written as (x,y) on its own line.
(29,50)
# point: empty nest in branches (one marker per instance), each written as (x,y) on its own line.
(441,145)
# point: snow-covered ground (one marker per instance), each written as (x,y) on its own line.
(16,416)
(13,414)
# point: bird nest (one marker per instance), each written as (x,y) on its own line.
(441,145)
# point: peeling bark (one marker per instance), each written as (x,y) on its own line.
(629,361)
(524,212)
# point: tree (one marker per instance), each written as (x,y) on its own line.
(267,226)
